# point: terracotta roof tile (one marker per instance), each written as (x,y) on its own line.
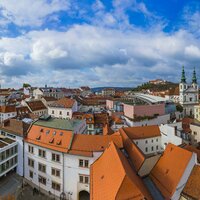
(113,178)
(64,103)
(192,187)
(136,156)
(169,170)
(7,108)
(41,136)
(142,132)
(36,105)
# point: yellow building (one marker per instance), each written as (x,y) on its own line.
(197,112)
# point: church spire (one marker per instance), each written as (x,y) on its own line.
(183,79)
(194,78)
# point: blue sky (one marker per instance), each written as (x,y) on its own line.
(97,42)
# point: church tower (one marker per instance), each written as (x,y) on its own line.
(182,86)
(195,85)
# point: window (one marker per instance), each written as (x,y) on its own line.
(30,162)
(42,153)
(152,141)
(152,148)
(157,140)
(136,143)
(60,112)
(146,149)
(83,163)
(55,157)
(84,179)
(42,168)
(55,172)
(55,186)
(30,149)
(190,99)
(67,113)
(31,174)
(157,147)
(42,180)
(52,112)
(195,133)
(146,141)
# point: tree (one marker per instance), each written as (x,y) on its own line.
(179,108)
(26,85)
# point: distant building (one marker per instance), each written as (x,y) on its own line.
(157,81)
(188,94)
(108,92)
(63,108)
(197,112)
(6,112)
(36,107)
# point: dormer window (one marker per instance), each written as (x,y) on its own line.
(41,130)
(47,132)
(38,137)
(61,133)
(51,140)
(54,133)
(59,142)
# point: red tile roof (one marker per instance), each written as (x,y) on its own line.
(64,103)
(169,169)
(7,108)
(113,178)
(136,156)
(142,132)
(36,105)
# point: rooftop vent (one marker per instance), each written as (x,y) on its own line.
(47,132)
(54,133)
(41,130)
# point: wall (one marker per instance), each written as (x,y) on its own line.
(195,133)
(109,104)
(168,135)
(164,119)
(143,110)
(70,173)
(149,143)
(4,116)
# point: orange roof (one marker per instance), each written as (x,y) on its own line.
(66,141)
(192,187)
(93,143)
(193,149)
(7,108)
(135,154)
(36,105)
(169,170)
(49,138)
(142,132)
(64,103)
(113,178)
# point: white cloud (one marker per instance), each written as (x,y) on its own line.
(86,54)
(29,12)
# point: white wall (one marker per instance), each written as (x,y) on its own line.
(149,143)
(168,135)
(4,116)
(71,171)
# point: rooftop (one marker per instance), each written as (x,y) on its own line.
(113,178)
(36,105)
(142,132)
(192,186)
(63,103)
(62,124)
(169,169)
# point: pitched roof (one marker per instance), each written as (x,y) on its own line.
(136,156)
(192,187)
(7,108)
(14,126)
(57,140)
(46,98)
(61,124)
(36,105)
(193,149)
(142,132)
(169,170)
(93,143)
(113,178)
(64,103)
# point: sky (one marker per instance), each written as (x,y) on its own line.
(71,43)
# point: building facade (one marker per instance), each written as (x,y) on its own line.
(188,94)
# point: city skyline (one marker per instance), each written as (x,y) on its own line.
(97,43)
